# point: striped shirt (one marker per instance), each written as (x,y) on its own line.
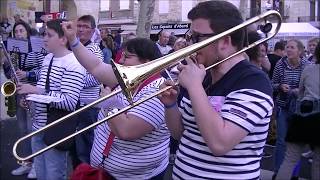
(243,97)
(33,63)
(30,62)
(65,81)
(143,158)
(91,88)
(285,74)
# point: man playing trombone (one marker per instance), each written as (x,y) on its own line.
(221,117)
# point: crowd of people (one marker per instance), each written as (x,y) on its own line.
(213,125)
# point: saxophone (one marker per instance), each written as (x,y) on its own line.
(9,87)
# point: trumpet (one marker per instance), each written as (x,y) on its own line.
(9,88)
(130,77)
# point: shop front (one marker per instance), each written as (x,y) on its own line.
(177,29)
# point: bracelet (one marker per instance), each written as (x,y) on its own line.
(76,43)
(170,105)
(113,111)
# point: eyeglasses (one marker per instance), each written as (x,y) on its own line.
(195,37)
(126,55)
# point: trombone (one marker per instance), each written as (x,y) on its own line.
(129,77)
(8,88)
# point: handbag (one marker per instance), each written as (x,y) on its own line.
(291,104)
(62,129)
(86,172)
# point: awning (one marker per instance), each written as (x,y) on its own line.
(155,31)
(132,29)
(297,29)
(175,31)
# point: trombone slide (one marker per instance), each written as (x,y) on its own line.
(131,77)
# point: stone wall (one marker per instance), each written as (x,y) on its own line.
(25,8)
(295,9)
(85,7)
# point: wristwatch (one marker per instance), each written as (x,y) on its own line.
(113,111)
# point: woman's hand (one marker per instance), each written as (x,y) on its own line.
(70,30)
(27,89)
(169,96)
(24,103)
(111,102)
(295,91)
(191,75)
(284,88)
(104,91)
(21,74)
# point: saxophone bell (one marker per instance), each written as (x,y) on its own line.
(8,88)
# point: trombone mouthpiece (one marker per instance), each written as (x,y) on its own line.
(266,28)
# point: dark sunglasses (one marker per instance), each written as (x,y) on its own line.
(195,38)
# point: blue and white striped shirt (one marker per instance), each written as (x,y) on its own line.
(91,89)
(285,74)
(66,79)
(142,158)
(243,97)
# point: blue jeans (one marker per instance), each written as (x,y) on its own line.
(84,141)
(25,126)
(282,128)
(50,165)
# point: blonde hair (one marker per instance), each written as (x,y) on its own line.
(180,40)
(109,42)
(316,40)
(299,44)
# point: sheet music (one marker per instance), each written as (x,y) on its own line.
(37,44)
(17,45)
(43,98)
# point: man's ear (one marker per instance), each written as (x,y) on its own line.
(224,43)
(64,40)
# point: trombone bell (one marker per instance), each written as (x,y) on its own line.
(130,77)
(8,88)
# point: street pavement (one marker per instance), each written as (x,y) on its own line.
(8,135)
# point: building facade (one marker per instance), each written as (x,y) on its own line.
(114,13)
(123,14)
(27,8)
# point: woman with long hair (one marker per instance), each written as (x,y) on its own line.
(285,81)
(304,127)
(28,66)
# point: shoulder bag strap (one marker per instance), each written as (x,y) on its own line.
(47,87)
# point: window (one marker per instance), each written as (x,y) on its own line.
(104,5)
(186,6)
(163,6)
(124,4)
